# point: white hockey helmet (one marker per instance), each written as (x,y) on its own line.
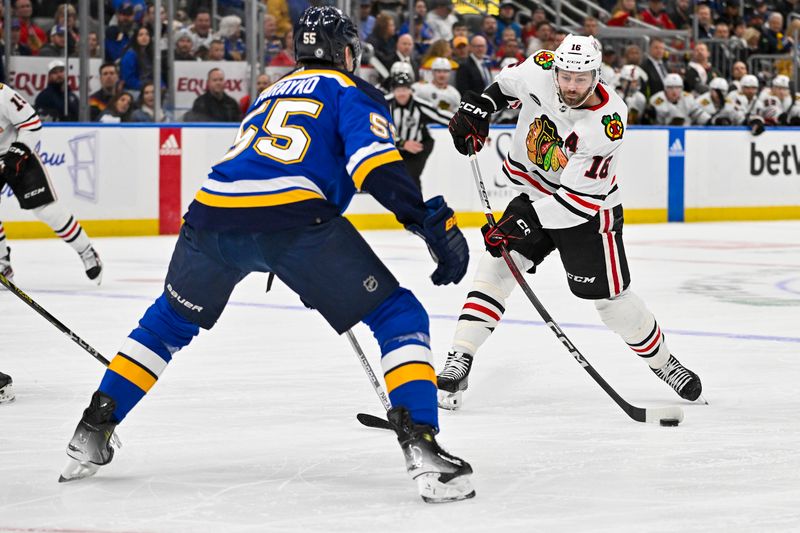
(578,53)
(748,80)
(673,80)
(719,84)
(632,72)
(781,81)
(441,63)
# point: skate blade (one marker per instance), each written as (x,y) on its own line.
(7,394)
(75,470)
(450,400)
(434,491)
(702,400)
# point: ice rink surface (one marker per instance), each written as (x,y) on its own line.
(252,428)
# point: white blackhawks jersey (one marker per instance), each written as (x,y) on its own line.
(731,109)
(446,99)
(18,120)
(564,159)
(684,112)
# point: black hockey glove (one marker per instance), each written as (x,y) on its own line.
(445,242)
(471,122)
(15,159)
(756,127)
(518,229)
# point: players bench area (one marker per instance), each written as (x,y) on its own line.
(138,180)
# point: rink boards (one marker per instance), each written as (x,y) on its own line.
(139,179)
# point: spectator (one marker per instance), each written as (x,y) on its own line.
(655,67)
(680,13)
(421,35)
(109,87)
(30,35)
(738,71)
(474,74)
(460,50)
(384,39)
(70,22)
(58,40)
(272,43)
(136,66)
(18,49)
(705,23)
(632,55)
(656,15)
(149,21)
(441,19)
(230,31)
(137,6)
(119,36)
(773,39)
(460,29)
(529,28)
(146,106)
(214,105)
(700,71)
(674,107)
(591,27)
(118,110)
(229,8)
(94,44)
(285,57)
(296,8)
(411,117)
(752,37)
(404,51)
(420,12)
(262,82)
(730,15)
(366,20)
(183,47)
(439,92)
(489,32)
(509,48)
(622,12)
(50,102)
(544,40)
(280,10)
(505,19)
(608,70)
(216,51)
(201,30)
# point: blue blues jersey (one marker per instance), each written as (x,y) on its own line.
(307,144)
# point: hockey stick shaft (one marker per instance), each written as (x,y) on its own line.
(367,419)
(636,413)
(53,320)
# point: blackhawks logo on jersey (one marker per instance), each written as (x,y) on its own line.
(544,145)
(544,59)
(614,126)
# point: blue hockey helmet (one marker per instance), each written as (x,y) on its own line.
(322,34)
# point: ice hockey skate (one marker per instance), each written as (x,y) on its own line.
(92,264)
(452,380)
(685,382)
(93,444)
(5,267)
(6,388)
(440,477)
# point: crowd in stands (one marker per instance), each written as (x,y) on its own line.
(665,80)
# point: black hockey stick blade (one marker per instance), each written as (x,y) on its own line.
(372,421)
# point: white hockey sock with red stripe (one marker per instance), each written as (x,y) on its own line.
(64,225)
(627,315)
(3,243)
(485,302)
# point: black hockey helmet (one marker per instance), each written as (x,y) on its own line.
(322,34)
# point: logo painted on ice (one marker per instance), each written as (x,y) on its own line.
(170,146)
(371,284)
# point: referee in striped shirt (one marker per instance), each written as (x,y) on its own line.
(411,116)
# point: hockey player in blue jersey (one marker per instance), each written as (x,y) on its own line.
(274,203)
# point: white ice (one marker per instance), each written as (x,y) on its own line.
(252,428)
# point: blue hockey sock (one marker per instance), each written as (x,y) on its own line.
(144,355)
(400,325)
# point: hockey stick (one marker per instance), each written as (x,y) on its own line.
(53,320)
(368,420)
(664,415)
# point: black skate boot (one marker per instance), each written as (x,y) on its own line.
(6,388)
(685,382)
(440,477)
(452,380)
(91,446)
(92,264)
(5,267)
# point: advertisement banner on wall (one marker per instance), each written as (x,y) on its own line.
(190,80)
(28,75)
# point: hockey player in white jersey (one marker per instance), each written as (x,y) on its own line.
(628,85)
(439,91)
(724,109)
(675,107)
(778,105)
(563,160)
(27,177)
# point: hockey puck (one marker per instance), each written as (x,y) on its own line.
(669,421)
